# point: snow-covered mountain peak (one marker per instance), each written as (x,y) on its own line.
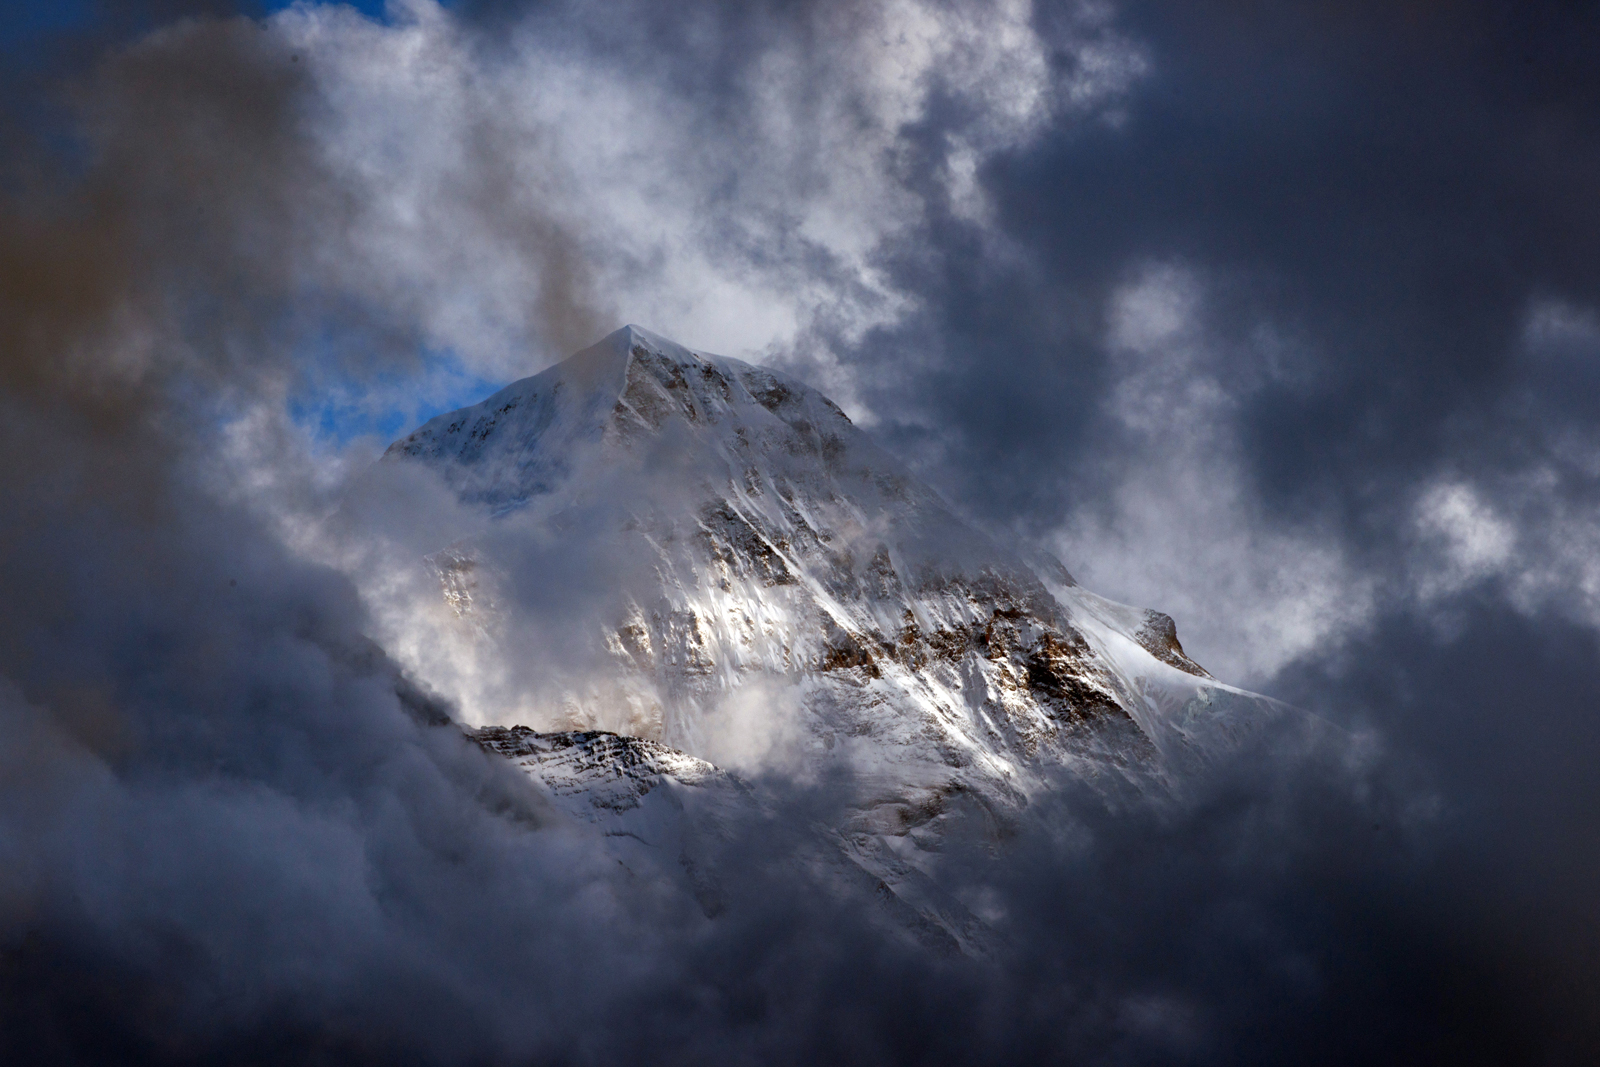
(662,565)
(742,574)
(686,427)
(631,387)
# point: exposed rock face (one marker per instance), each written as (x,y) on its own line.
(660,810)
(601,772)
(789,595)
(1159,637)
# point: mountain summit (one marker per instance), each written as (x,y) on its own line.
(763,587)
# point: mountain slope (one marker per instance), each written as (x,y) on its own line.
(764,587)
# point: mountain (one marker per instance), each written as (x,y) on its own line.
(658,809)
(711,558)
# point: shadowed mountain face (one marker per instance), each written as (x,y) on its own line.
(768,590)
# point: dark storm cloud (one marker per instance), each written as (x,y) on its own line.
(1383,218)
(1390,188)
(229,829)
(1499,714)
(222,803)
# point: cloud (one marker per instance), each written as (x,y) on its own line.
(1178,522)
(729,179)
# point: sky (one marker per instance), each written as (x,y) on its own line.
(1281,318)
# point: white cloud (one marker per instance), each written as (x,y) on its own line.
(513,199)
(1540,543)
(1476,541)
(1180,528)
